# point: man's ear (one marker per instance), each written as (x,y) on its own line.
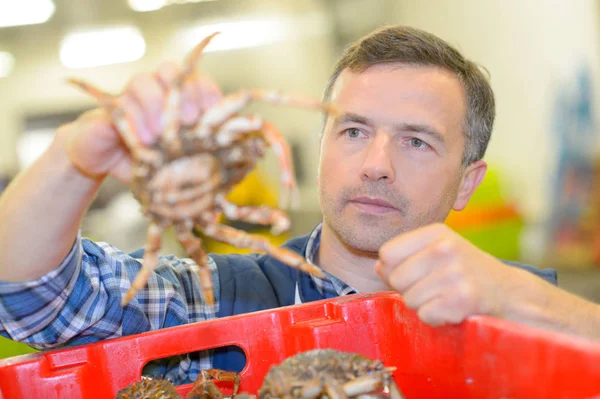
(471,179)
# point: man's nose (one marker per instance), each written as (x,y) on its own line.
(378,161)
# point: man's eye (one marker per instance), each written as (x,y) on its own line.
(418,143)
(353,133)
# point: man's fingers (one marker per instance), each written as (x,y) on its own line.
(401,247)
(414,268)
(167,73)
(95,114)
(191,101)
(210,95)
(122,170)
(198,93)
(425,290)
(439,311)
(149,94)
(135,113)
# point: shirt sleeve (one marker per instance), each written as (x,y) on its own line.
(79,301)
(550,275)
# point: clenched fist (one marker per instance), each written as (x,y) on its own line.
(445,278)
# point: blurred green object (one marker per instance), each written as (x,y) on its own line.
(10,348)
(499,239)
(489,192)
(489,221)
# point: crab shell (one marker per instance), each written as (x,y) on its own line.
(293,377)
(149,389)
(185,187)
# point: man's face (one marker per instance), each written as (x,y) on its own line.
(392,161)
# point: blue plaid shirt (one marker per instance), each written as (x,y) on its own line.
(79,302)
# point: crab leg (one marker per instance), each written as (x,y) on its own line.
(364,384)
(395,392)
(372,382)
(334,389)
(257,215)
(153,243)
(194,56)
(237,127)
(193,247)
(208,390)
(241,239)
(170,117)
(233,103)
(358,387)
(280,386)
(125,126)
(205,387)
(284,154)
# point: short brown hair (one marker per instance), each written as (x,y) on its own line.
(407,45)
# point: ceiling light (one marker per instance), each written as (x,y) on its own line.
(239,34)
(102,47)
(251,32)
(153,5)
(146,5)
(7,61)
(25,12)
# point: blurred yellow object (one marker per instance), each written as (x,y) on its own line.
(254,190)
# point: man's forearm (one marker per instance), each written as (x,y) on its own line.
(40,215)
(545,306)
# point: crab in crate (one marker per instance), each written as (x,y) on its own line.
(183,178)
(331,373)
(149,389)
(204,386)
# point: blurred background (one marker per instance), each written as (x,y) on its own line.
(539,204)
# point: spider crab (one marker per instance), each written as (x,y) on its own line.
(149,389)
(182,179)
(329,372)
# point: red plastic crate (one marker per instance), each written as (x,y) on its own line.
(480,358)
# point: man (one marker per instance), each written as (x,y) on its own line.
(407,150)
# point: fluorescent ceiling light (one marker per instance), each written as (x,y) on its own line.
(102,47)
(239,34)
(146,5)
(7,61)
(153,5)
(251,32)
(25,12)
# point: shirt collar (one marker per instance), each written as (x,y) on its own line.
(330,282)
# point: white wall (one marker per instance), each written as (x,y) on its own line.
(530,48)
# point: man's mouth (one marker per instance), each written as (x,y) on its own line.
(373,205)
